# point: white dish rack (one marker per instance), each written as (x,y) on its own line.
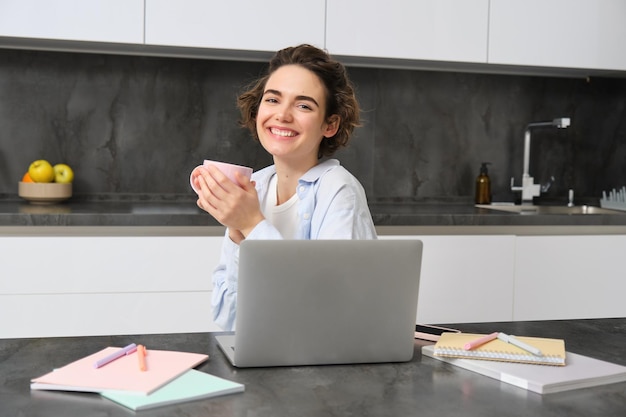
(615,199)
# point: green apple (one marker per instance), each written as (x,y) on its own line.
(63,173)
(41,171)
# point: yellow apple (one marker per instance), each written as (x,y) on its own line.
(63,173)
(41,171)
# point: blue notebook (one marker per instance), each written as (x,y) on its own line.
(190,386)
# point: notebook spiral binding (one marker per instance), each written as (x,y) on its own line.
(498,356)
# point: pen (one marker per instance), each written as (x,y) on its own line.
(110,358)
(141,354)
(516,342)
(481,341)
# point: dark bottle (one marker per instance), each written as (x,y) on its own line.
(483,186)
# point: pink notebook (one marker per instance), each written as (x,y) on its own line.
(122,374)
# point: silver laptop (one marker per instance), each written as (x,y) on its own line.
(318,302)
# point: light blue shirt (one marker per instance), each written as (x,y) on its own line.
(332,205)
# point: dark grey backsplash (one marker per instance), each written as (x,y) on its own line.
(140,124)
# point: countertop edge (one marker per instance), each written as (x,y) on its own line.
(58,231)
(517,230)
(218,231)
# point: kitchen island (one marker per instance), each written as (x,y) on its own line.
(422,387)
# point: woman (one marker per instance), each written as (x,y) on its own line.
(302,110)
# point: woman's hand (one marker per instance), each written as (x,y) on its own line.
(235,206)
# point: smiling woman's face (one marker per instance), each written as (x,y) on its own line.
(291,119)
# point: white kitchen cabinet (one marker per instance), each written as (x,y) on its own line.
(99,285)
(432,30)
(116,21)
(558,33)
(465,279)
(236,24)
(569,277)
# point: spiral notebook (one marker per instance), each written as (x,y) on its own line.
(452,345)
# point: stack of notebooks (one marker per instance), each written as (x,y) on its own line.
(554,370)
(169,378)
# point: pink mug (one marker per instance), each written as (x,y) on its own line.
(226,168)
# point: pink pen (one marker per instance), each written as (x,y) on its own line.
(481,341)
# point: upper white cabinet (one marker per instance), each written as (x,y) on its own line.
(558,33)
(117,21)
(252,25)
(534,36)
(433,30)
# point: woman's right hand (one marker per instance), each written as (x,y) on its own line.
(235,206)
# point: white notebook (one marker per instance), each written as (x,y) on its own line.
(579,372)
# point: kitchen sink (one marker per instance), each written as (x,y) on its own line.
(533,209)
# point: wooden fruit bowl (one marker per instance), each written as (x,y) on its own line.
(44,192)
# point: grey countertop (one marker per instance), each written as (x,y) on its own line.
(181,211)
(423,386)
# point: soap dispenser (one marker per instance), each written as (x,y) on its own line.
(483,186)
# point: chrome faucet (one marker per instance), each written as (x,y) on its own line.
(528,188)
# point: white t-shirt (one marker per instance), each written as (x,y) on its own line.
(283,217)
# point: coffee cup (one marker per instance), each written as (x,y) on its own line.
(227,169)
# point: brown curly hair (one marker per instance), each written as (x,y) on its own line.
(340,96)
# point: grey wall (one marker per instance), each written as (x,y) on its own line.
(139,125)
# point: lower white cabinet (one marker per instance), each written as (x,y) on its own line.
(490,278)
(465,278)
(570,277)
(101,285)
